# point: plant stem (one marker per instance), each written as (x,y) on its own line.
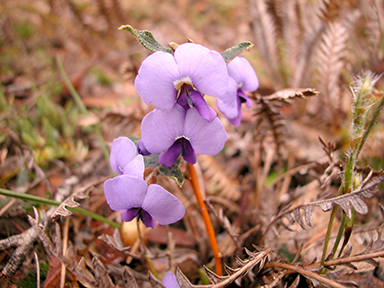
(40,200)
(207,220)
(80,104)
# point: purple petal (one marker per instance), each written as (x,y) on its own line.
(135,168)
(163,206)
(147,219)
(189,154)
(243,73)
(159,129)
(130,214)
(206,68)
(202,107)
(169,157)
(227,104)
(169,280)
(154,82)
(141,148)
(123,151)
(237,120)
(244,98)
(125,192)
(205,137)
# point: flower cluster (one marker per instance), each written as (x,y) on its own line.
(129,193)
(183,123)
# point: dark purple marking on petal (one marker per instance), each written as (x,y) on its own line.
(244,98)
(130,214)
(147,219)
(169,157)
(188,153)
(141,148)
(202,106)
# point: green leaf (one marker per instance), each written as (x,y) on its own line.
(173,172)
(146,39)
(232,52)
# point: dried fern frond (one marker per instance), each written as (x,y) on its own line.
(98,278)
(245,266)
(292,34)
(347,202)
(223,184)
(265,34)
(331,55)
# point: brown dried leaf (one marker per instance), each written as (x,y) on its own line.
(70,202)
(291,93)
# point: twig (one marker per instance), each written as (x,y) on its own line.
(305,273)
(207,220)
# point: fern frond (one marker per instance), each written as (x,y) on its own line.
(330,61)
(265,36)
(219,181)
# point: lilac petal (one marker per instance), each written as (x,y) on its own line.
(228,103)
(169,280)
(125,192)
(147,219)
(169,157)
(205,68)
(154,82)
(123,151)
(159,129)
(189,154)
(243,73)
(202,107)
(237,120)
(141,148)
(244,98)
(135,168)
(183,101)
(163,206)
(205,137)
(130,214)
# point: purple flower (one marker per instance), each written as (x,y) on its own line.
(169,280)
(242,78)
(150,203)
(129,193)
(123,159)
(165,79)
(182,132)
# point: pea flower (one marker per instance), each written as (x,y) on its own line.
(165,80)
(169,280)
(129,193)
(123,159)
(242,78)
(182,132)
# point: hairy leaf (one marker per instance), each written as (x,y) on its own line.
(173,172)
(146,39)
(232,52)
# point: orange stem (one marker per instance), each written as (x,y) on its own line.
(207,220)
